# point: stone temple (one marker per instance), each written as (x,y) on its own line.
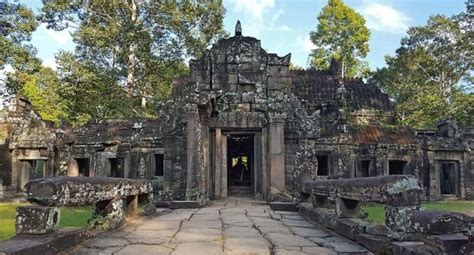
(243,123)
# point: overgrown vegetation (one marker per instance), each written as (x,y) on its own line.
(70,217)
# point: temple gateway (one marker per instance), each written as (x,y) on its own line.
(242,123)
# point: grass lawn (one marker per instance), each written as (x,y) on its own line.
(70,217)
(377,212)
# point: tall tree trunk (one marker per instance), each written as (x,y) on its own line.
(132,58)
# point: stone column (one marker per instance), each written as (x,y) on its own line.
(277,155)
(224,166)
(192,118)
(217,164)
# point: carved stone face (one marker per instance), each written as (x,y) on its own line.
(63,167)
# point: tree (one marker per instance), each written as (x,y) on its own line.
(42,89)
(341,35)
(17,23)
(138,45)
(430,78)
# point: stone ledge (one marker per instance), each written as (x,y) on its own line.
(184,204)
(376,244)
(284,206)
(43,244)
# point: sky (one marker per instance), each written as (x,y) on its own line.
(283,26)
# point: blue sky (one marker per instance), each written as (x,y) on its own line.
(283,26)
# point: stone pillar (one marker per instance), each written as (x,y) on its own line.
(191,150)
(224,166)
(217,164)
(277,155)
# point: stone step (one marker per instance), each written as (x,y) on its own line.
(284,206)
(187,204)
(240,190)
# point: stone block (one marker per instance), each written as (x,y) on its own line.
(448,243)
(349,227)
(184,204)
(398,218)
(36,219)
(51,243)
(284,206)
(406,248)
(376,244)
(438,222)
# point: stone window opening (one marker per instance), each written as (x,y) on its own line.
(448,178)
(365,168)
(159,165)
(36,167)
(83,166)
(116,167)
(323,165)
(396,167)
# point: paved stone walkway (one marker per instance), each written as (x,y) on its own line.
(233,226)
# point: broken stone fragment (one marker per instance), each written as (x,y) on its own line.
(36,219)
(438,222)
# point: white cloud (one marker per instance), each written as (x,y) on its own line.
(305,43)
(384,18)
(257,16)
(61,37)
(284,28)
(50,62)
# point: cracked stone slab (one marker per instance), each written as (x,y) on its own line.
(199,224)
(89,251)
(309,232)
(261,222)
(275,229)
(151,236)
(198,235)
(347,248)
(285,240)
(208,217)
(104,242)
(144,249)
(158,224)
(198,248)
(297,223)
(246,246)
(236,231)
(305,250)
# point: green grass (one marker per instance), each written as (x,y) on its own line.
(70,217)
(377,212)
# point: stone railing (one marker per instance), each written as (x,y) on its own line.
(113,198)
(401,195)
(336,204)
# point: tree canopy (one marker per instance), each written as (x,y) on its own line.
(341,35)
(430,77)
(128,52)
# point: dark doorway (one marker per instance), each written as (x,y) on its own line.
(159,169)
(365,168)
(116,167)
(448,176)
(396,167)
(36,168)
(240,155)
(323,166)
(83,165)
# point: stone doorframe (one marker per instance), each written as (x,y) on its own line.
(218,161)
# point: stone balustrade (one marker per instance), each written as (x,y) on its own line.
(336,204)
(113,198)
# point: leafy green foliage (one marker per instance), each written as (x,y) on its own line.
(128,52)
(42,89)
(341,35)
(430,78)
(17,23)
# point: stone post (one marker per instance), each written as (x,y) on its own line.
(277,154)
